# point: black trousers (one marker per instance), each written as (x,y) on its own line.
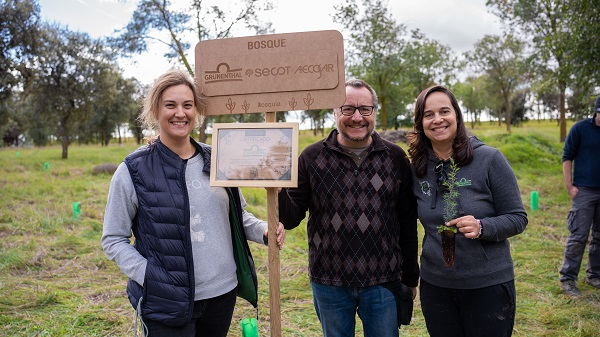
(211,318)
(488,311)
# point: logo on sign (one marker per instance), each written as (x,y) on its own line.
(223,73)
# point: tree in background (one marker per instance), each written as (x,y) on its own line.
(428,62)
(19,31)
(177,28)
(54,83)
(398,64)
(376,44)
(519,107)
(502,59)
(317,120)
(493,101)
(64,80)
(550,101)
(133,123)
(113,102)
(128,103)
(584,21)
(581,103)
(472,95)
(546,24)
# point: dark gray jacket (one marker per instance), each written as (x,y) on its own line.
(488,190)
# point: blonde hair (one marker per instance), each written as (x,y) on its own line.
(149,115)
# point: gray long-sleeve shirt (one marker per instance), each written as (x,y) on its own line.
(214,265)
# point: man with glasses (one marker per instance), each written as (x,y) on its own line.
(362,229)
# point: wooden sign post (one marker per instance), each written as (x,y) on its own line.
(274,265)
(259,155)
(267,73)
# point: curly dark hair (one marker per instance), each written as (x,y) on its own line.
(419,144)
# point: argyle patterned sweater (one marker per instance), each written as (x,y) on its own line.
(362,225)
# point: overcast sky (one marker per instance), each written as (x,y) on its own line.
(456,23)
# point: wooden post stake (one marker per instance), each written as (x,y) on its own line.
(274,267)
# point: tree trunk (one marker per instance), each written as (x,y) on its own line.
(507,105)
(500,117)
(65,149)
(473,119)
(202,132)
(563,121)
(383,114)
(64,138)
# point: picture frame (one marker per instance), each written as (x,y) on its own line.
(254,155)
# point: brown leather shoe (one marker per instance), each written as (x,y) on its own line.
(569,287)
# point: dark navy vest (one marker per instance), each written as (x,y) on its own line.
(162,231)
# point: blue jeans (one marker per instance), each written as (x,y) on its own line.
(337,307)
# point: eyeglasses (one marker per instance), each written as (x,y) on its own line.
(363,110)
(441,175)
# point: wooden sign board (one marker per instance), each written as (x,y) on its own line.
(254,155)
(277,72)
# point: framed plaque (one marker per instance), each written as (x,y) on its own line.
(254,155)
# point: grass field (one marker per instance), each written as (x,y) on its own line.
(56,281)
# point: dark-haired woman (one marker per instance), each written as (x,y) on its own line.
(474,295)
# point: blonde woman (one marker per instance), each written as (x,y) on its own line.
(190,257)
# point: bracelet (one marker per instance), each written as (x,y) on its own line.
(480,229)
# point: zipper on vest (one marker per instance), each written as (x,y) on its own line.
(188,241)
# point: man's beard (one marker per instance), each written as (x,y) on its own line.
(355,139)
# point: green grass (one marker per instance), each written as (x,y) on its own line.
(56,281)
